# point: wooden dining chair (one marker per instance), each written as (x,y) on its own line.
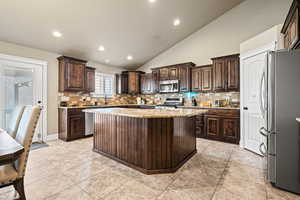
(13,174)
(14,121)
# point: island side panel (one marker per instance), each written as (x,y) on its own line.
(105,136)
(184,140)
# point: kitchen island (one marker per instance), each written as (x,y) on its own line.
(149,140)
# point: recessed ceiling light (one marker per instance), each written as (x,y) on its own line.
(152,1)
(176,22)
(129,57)
(101,48)
(107,61)
(56,34)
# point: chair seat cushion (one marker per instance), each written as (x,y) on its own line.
(7,174)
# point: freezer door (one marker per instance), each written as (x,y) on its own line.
(286,109)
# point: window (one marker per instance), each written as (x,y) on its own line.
(103,85)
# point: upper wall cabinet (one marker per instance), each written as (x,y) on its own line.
(71,71)
(155,81)
(291,27)
(226,75)
(90,79)
(202,79)
(147,83)
(129,82)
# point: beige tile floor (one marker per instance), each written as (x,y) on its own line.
(71,171)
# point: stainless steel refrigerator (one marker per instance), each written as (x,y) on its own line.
(280,106)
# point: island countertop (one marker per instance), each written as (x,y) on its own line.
(148,113)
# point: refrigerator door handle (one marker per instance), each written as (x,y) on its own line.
(261,147)
(261,106)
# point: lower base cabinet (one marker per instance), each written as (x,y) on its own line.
(220,125)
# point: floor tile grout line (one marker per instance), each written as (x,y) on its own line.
(223,173)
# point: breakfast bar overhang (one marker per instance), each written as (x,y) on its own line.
(149,140)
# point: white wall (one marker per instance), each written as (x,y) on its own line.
(224,35)
(22,51)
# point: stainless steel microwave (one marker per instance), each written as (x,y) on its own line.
(171,86)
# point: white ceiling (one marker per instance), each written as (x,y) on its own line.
(134,27)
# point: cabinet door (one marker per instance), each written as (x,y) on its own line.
(144,84)
(173,73)
(184,78)
(206,73)
(233,74)
(164,74)
(76,126)
(219,75)
(196,79)
(231,131)
(74,76)
(133,83)
(213,128)
(200,133)
(90,79)
(293,30)
(155,81)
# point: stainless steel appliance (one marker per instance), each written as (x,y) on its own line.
(171,86)
(171,103)
(280,106)
(89,123)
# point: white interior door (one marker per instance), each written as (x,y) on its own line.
(21,84)
(252,71)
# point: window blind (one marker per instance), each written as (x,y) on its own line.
(103,85)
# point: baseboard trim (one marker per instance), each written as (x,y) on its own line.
(52,137)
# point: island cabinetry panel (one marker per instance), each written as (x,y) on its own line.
(71,74)
(199,126)
(71,124)
(226,76)
(150,145)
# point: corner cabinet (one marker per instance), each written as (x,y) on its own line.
(226,73)
(71,71)
(291,27)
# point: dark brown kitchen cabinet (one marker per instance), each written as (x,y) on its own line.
(184,78)
(291,27)
(128,82)
(146,83)
(202,78)
(222,125)
(173,73)
(226,73)
(164,74)
(71,74)
(155,81)
(71,124)
(199,123)
(90,79)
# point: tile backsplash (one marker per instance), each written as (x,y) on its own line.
(203,99)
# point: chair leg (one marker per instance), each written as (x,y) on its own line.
(19,187)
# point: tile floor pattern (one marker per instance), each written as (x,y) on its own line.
(71,171)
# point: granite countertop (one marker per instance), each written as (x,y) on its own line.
(298,119)
(148,113)
(117,105)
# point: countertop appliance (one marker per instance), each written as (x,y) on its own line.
(170,86)
(280,106)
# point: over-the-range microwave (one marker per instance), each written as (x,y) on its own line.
(170,86)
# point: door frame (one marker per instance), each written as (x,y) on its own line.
(269,47)
(44,66)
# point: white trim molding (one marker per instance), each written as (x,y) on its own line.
(52,137)
(44,65)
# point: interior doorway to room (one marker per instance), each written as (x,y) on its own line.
(22,83)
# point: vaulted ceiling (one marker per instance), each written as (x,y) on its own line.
(124,27)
